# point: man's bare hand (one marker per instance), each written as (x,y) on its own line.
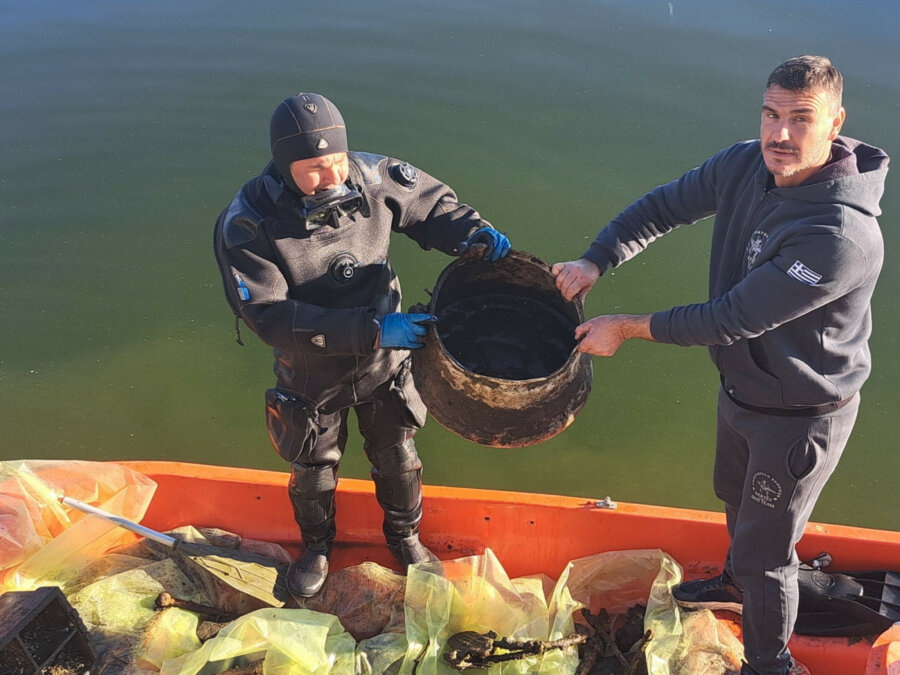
(603,335)
(576,277)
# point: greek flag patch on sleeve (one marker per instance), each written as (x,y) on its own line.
(803,274)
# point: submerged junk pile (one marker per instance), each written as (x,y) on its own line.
(614,646)
(147,608)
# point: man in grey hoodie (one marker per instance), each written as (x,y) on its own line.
(796,252)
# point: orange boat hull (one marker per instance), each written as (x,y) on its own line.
(529,533)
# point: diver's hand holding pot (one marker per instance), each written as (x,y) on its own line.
(495,244)
(404,331)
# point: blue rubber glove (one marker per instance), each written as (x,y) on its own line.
(497,243)
(404,331)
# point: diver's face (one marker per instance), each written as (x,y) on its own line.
(796,131)
(318,174)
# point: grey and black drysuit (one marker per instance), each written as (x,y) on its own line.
(787,325)
(316,297)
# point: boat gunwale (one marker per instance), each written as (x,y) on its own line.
(268,477)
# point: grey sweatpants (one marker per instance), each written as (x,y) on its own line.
(769,471)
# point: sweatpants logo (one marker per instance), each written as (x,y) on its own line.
(766,490)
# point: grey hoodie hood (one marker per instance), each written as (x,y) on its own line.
(855,177)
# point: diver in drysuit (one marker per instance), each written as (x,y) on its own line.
(303,253)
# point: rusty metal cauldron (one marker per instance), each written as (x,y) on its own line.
(500,368)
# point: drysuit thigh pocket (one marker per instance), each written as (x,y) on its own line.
(409,406)
(292,425)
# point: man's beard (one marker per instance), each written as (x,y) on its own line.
(804,161)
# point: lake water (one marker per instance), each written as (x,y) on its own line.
(125,127)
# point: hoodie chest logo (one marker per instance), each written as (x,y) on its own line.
(757,241)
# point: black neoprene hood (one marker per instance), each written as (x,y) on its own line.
(305,126)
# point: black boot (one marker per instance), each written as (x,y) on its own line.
(312,495)
(410,551)
(400,495)
(307,573)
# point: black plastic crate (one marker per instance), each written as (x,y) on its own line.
(41,632)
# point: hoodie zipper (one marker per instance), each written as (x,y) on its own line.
(741,263)
(746,232)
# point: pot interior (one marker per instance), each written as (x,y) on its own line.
(505,321)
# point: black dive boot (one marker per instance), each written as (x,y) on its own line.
(307,573)
(312,495)
(410,551)
(400,495)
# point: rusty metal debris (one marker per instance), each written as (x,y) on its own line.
(164,600)
(207,630)
(213,621)
(470,649)
(613,646)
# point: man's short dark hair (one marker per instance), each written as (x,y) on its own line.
(809,73)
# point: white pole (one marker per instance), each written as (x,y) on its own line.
(120,521)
